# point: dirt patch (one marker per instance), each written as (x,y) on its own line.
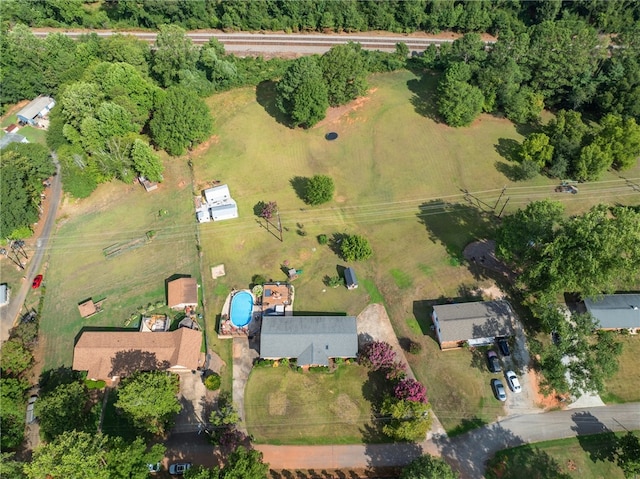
(335,115)
(204,146)
(355,473)
(492,292)
(277,404)
(345,409)
(553,401)
(483,254)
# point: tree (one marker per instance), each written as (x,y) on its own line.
(592,162)
(319,189)
(378,355)
(9,467)
(149,399)
(245,463)
(428,467)
(174,52)
(459,103)
(592,357)
(620,138)
(15,359)
(302,93)
(129,460)
(72,454)
(145,161)
(407,420)
(355,248)
(201,472)
(344,73)
(223,419)
(536,148)
(181,120)
(411,390)
(12,398)
(628,454)
(63,409)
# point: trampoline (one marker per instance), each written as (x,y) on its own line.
(241,308)
(331,136)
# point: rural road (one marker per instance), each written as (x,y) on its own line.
(468,453)
(9,313)
(243,43)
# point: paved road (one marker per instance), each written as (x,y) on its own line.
(9,314)
(274,43)
(469,452)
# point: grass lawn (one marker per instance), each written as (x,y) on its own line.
(284,406)
(582,457)
(623,386)
(78,269)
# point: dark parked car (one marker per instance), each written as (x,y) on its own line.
(498,390)
(504,347)
(178,469)
(494,362)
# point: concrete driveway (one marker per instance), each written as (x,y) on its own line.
(195,406)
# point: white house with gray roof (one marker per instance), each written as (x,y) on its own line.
(311,340)
(615,311)
(37,108)
(217,206)
(476,324)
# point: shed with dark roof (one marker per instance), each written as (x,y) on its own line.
(311,340)
(476,324)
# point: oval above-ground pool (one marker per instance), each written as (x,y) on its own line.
(241,308)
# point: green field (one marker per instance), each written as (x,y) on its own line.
(78,270)
(623,386)
(400,181)
(582,457)
(288,407)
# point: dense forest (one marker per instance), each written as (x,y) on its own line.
(400,16)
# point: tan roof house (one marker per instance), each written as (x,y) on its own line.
(476,324)
(109,355)
(182,292)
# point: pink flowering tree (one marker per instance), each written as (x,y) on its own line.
(268,210)
(378,355)
(411,390)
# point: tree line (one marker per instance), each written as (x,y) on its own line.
(321,15)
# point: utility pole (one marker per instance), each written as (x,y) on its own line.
(503,207)
(504,188)
(279,225)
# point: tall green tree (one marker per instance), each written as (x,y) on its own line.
(459,103)
(408,420)
(129,460)
(628,454)
(150,400)
(72,454)
(9,467)
(145,161)
(63,409)
(620,138)
(302,93)
(344,73)
(319,189)
(15,359)
(536,148)
(181,120)
(12,412)
(245,463)
(173,52)
(428,467)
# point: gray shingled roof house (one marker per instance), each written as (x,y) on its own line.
(478,323)
(37,107)
(312,340)
(616,311)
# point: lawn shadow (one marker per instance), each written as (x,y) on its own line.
(266,97)
(299,185)
(468,452)
(334,244)
(454,225)
(509,149)
(52,378)
(467,424)
(594,437)
(527,461)
(374,390)
(422,311)
(424,95)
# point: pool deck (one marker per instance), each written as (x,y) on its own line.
(275,296)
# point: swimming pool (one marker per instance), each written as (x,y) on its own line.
(241,308)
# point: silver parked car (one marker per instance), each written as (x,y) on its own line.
(498,390)
(179,469)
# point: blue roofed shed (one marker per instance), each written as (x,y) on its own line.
(350,278)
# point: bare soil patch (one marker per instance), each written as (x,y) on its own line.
(336,114)
(277,403)
(553,401)
(345,409)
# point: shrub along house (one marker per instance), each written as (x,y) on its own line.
(475,324)
(616,311)
(311,340)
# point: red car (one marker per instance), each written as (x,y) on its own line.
(37,281)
